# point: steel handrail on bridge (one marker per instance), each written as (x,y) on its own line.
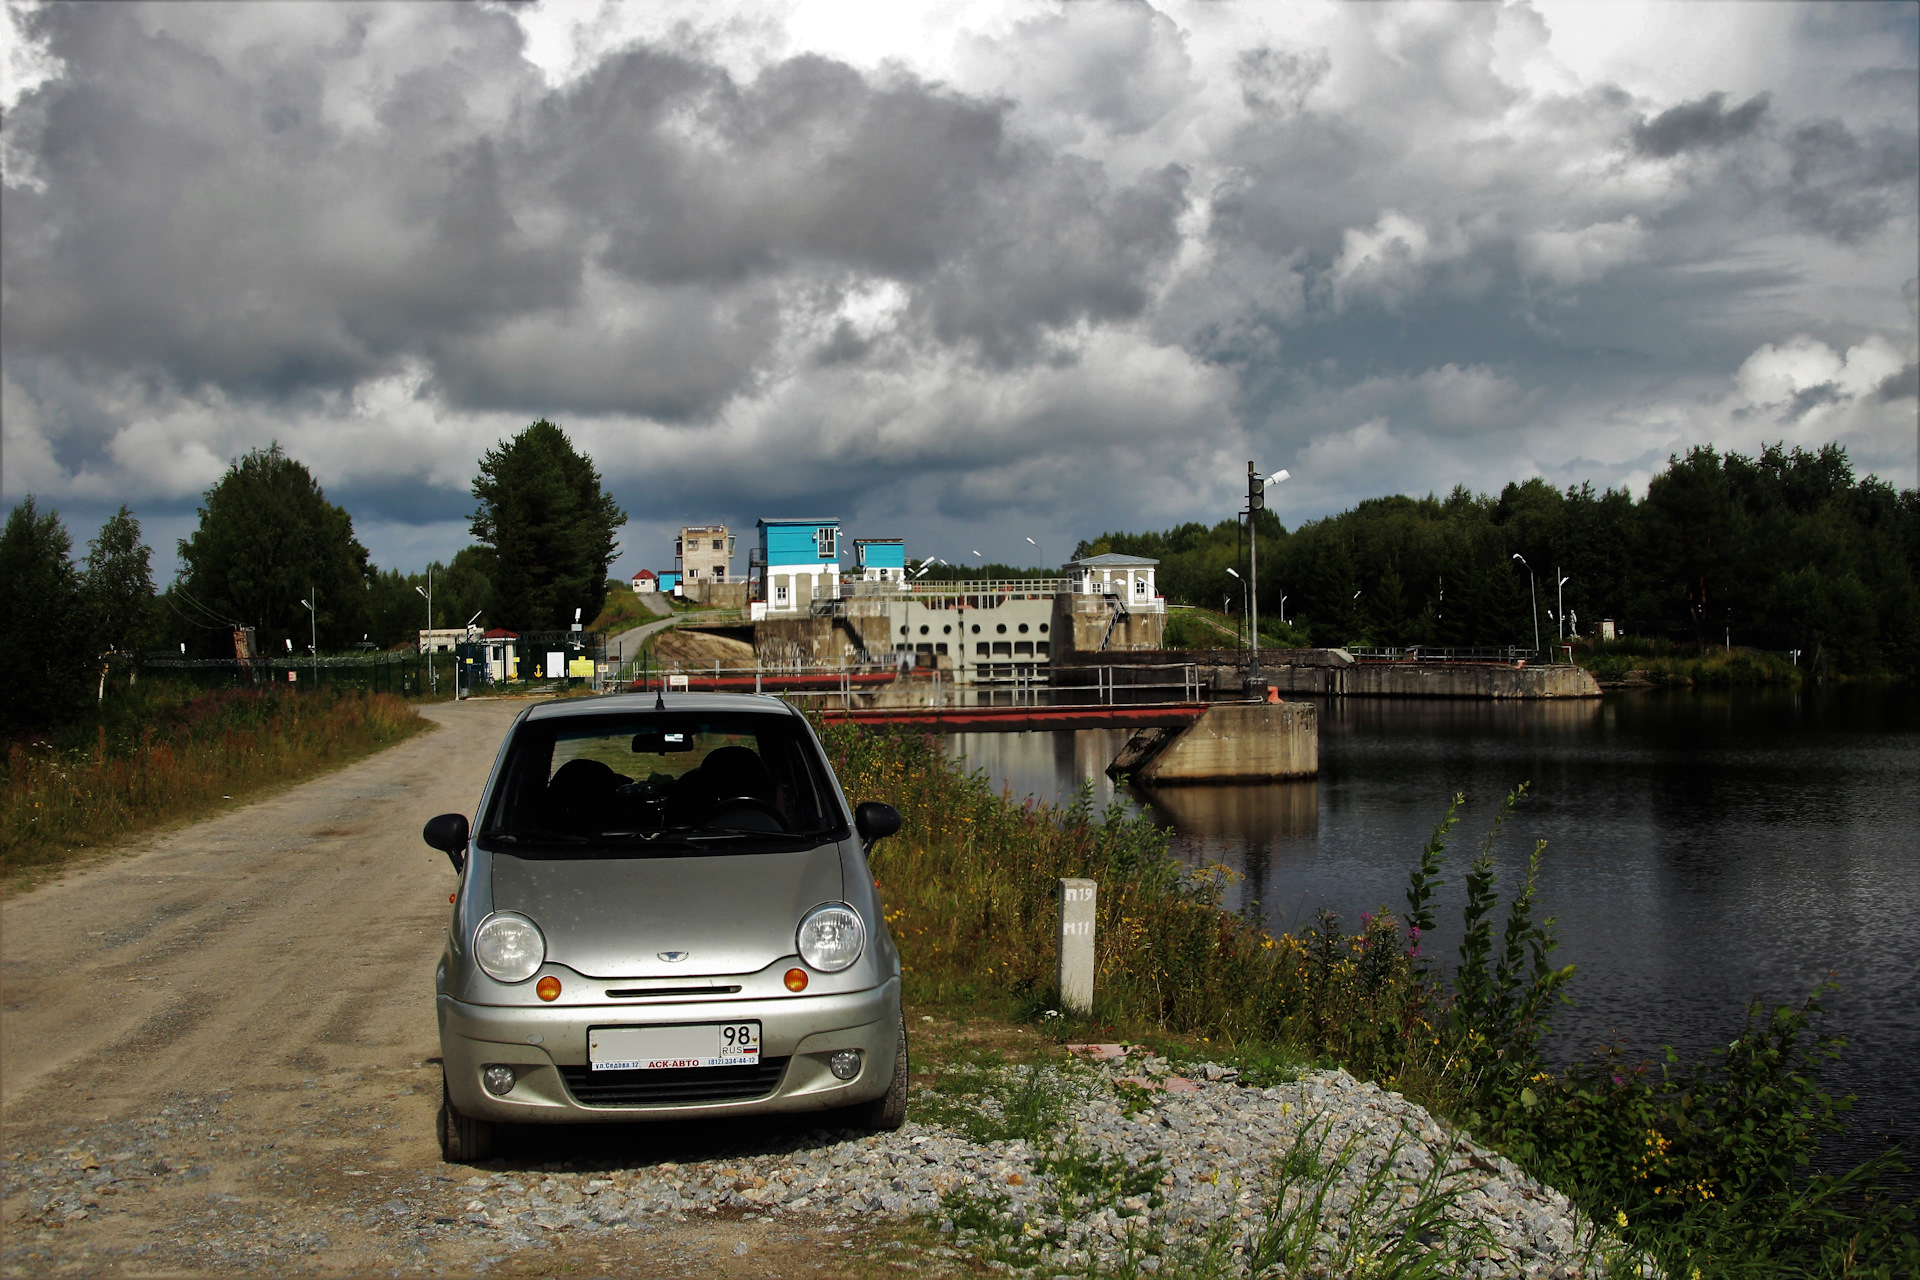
(1435,653)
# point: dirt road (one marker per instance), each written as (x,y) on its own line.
(219,1051)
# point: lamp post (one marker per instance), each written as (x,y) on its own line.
(1560,600)
(313,617)
(1283,608)
(426,593)
(1534,595)
(1243,589)
(1041,552)
(1256,502)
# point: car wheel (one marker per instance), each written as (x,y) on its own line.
(463,1139)
(888,1111)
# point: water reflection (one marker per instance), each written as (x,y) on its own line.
(1248,829)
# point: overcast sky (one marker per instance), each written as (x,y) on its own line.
(960,273)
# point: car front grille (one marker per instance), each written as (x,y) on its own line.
(592,1088)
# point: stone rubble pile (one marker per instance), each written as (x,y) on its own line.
(1212,1141)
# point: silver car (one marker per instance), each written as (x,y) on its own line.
(665,912)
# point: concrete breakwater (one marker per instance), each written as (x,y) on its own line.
(1232,742)
(1327,672)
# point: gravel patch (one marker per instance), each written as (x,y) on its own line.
(1134,1160)
(1082,1167)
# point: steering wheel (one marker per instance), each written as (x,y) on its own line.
(753,803)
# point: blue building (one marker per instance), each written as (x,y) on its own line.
(799,562)
(880,559)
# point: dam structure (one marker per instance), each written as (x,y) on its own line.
(1093,635)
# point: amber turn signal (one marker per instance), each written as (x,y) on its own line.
(452,896)
(796,979)
(548,988)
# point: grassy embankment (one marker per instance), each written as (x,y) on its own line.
(623,611)
(1661,662)
(1702,1167)
(163,752)
(1208,629)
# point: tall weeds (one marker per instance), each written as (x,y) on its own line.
(174,754)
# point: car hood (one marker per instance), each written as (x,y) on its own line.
(615,917)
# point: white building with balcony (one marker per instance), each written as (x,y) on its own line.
(1129,579)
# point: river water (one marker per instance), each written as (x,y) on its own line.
(1703,848)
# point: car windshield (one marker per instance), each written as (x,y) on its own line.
(659,784)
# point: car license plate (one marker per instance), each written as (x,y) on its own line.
(719,1044)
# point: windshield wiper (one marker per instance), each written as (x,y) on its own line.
(534,834)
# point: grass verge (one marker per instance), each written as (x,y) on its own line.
(162,753)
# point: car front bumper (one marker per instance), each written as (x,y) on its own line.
(544,1044)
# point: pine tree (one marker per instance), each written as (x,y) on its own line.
(549,526)
(44,628)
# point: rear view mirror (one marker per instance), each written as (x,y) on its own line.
(875,821)
(448,833)
(659,742)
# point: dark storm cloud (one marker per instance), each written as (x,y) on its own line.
(814,167)
(1903,385)
(1404,244)
(220,229)
(1847,187)
(1699,125)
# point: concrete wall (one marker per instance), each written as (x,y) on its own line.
(726,595)
(1232,742)
(1332,672)
(1082,622)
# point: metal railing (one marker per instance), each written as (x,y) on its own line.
(1438,653)
(851,587)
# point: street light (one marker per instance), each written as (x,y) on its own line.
(313,617)
(426,593)
(460,660)
(1535,596)
(1283,608)
(1560,601)
(1243,589)
(1039,552)
(1256,501)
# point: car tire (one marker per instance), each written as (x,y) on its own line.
(463,1139)
(888,1111)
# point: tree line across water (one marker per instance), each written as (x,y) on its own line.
(267,541)
(1786,550)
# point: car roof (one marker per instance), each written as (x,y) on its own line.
(630,703)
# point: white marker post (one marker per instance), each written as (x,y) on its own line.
(1076,945)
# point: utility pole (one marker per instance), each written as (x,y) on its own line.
(433,674)
(313,614)
(1533,595)
(1256,502)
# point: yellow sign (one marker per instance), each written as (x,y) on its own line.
(581,667)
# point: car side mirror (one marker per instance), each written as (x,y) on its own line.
(875,821)
(448,833)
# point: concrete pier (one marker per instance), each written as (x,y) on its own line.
(1232,742)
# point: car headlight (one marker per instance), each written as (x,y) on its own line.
(832,937)
(509,947)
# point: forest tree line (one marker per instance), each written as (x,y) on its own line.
(1786,550)
(268,542)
